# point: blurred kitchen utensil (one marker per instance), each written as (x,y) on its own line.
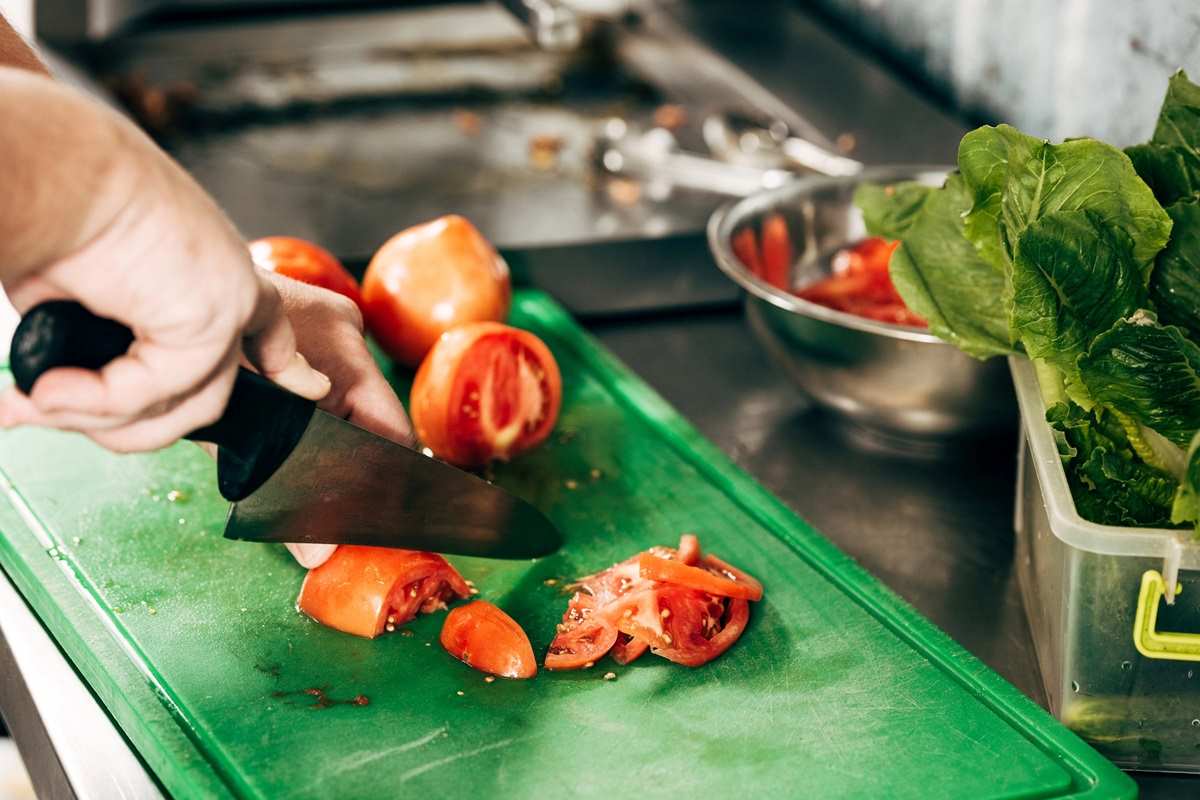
(741,139)
(653,157)
(890,379)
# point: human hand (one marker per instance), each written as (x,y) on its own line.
(148,248)
(329,332)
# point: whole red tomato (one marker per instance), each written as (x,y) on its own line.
(428,279)
(305,262)
(486,391)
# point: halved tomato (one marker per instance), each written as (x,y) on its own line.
(484,637)
(428,279)
(360,589)
(623,611)
(485,392)
(305,262)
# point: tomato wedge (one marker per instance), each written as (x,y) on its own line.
(674,603)
(485,392)
(777,252)
(669,571)
(360,589)
(745,247)
(428,279)
(484,637)
(306,262)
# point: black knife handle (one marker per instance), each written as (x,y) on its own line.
(262,422)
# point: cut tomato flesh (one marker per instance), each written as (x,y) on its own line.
(486,391)
(668,571)
(777,252)
(629,608)
(360,587)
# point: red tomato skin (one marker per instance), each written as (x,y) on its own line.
(777,252)
(356,589)
(450,421)
(861,285)
(485,638)
(745,247)
(305,262)
(429,279)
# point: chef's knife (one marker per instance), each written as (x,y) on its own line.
(297,474)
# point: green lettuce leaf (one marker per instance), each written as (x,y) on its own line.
(942,278)
(889,211)
(1175,282)
(1072,279)
(1170,161)
(1179,119)
(1172,173)
(1186,508)
(1149,372)
(1109,483)
(1017,179)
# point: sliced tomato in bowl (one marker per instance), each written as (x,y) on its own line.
(360,589)
(305,262)
(485,392)
(428,279)
(483,637)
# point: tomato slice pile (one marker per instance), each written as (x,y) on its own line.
(860,285)
(679,604)
(306,262)
(360,590)
(486,391)
(484,637)
(772,261)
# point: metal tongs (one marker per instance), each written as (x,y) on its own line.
(748,155)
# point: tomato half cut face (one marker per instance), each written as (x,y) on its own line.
(305,262)
(485,392)
(482,636)
(360,589)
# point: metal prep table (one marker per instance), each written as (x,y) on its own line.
(937,530)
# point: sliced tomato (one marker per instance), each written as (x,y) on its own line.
(861,285)
(428,279)
(306,262)
(624,612)
(485,392)
(583,636)
(484,637)
(360,589)
(627,649)
(745,247)
(669,571)
(777,252)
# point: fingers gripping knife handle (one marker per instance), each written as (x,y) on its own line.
(260,427)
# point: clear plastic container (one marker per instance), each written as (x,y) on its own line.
(1082,587)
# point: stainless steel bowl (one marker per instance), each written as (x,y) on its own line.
(892,379)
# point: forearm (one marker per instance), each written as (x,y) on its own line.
(15,53)
(68,168)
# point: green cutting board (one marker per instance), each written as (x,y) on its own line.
(192,642)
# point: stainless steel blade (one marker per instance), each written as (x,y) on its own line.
(345,485)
